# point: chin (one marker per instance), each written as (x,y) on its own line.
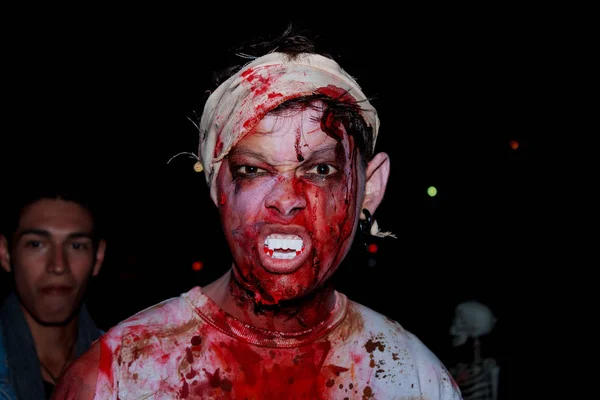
(55,319)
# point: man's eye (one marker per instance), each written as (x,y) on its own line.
(33,244)
(322,170)
(79,246)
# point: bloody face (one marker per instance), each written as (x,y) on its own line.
(289,197)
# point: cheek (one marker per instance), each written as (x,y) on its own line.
(239,207)
(331,208)
(26,278)
(240,200)
(81,266)
(26,265)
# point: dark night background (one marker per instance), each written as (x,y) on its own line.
(105,98)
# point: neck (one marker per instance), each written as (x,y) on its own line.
(54,344)
(286,316)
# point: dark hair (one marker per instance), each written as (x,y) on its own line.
(294,42)
(37,188)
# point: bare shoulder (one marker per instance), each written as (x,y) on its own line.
(79,380)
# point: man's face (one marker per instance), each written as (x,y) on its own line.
(53,257)
(289,197)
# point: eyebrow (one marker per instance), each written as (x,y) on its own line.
(317,153)
(45,233)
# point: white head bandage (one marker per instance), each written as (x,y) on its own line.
(239,103)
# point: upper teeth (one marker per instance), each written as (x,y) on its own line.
(283,242)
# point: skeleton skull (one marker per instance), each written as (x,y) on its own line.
(471,319)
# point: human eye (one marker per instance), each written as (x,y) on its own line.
(248,171)
(33,244)
(322,170)
(79,246)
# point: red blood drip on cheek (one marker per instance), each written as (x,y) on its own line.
(222,199)
(298,185)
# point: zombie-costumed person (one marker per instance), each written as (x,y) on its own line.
(287,148)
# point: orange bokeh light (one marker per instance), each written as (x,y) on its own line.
(514,144)
(197,265)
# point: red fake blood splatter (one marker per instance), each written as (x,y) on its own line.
(185,389)
(196,341)
(299,155)
(332,126)
(222,199)
(372,345)
(298,185)
(298,375)
(260,111)
(249,361)
(216,381)
(336,93)
(191,374)
(106,358)
(265,298)
(189,356)
(261,85)
(218,146)
(336,370)
(248,73)
(356,358)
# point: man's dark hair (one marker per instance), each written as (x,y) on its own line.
(38,187)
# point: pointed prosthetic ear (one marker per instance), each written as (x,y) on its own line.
(378,172)
(4,254)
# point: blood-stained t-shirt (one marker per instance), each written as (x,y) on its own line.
(188,348)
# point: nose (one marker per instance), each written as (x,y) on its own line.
(287,197)
(57,264)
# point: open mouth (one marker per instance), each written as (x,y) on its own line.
(283,247)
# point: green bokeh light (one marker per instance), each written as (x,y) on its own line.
(431,191)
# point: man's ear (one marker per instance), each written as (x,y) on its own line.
(99,257)
(4,253)
(378,172)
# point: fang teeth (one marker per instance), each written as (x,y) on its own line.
(284,242)
(283,246)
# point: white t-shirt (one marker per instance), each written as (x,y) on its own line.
(188,348)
